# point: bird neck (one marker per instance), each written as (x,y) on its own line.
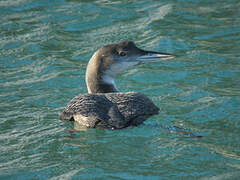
(97,79)
(100,84)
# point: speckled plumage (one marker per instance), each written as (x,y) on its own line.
(109,110)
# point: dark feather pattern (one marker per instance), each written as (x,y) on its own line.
(109,110)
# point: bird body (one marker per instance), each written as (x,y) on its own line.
(109,110)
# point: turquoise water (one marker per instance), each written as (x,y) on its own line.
(45,47)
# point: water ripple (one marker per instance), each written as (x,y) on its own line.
(45,47)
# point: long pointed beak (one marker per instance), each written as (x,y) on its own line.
(151,56)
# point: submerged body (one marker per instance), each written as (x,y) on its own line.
(104,106)
(110,110)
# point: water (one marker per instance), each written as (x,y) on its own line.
(45,46)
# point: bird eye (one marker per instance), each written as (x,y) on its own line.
(122,53)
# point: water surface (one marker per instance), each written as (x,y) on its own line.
(45,47)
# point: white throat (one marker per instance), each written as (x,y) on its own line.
(109,80)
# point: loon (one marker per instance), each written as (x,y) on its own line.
(104,106)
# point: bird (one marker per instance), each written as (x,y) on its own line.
(104,106)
